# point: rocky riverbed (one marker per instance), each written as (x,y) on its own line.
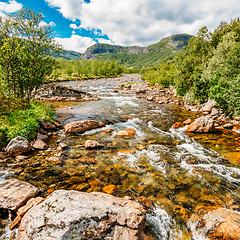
(158,170)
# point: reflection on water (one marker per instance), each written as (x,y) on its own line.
(174,170)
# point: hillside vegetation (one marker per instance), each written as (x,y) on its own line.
(208,68)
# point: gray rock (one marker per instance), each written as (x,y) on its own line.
(17,146)
(42,136)
(77,215)
(15,193)
(203,124)
(209,105)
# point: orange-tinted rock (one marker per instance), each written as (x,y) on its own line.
(108,130)
(87,160)
(233,157)
(40,144)
(109,189)
(54,160)
(178,125)
(15,222)
(235,127)
(92,144)
(144,202)
(127,151)
(187,122)
(126,133)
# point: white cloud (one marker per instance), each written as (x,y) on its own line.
(141,22)
(75,42)
(10,7)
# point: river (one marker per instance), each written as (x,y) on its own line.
(167,168)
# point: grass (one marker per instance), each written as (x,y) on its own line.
(19,118)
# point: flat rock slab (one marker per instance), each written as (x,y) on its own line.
(15,193)
(78,215)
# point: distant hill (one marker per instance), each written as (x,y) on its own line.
(136,56)
(70,55)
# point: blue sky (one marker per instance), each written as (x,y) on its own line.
(78,24)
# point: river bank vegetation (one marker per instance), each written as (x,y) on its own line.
(208,68)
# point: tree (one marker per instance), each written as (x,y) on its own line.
(30,45)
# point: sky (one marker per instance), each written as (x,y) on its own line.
(78,24)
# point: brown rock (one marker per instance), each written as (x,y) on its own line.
(15,193)
(21,158)
(3,155)
(203,124)
(40,144)
(15,222)
(218,224)
(178,125)
(42,136)
(30,203)
(87,160)
(48,126)
(92,144)
(17,146)
(126,133)
(62,146)
(55,160)
(108,130)
(187,122)
(82,126)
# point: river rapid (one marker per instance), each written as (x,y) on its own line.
(168,170)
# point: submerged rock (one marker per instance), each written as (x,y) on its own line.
(178,125)
(92,144)
(203,124)
(17,146)
(82,126)
(15,193)
(70,214)
(217,224)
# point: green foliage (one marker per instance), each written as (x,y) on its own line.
(26,47)
(162,74)
(23,122)
(85,69)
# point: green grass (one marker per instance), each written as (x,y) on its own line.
(22,122)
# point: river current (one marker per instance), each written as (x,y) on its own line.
(165,168)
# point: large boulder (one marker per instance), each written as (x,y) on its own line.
(15,193)
(209,105)
(82,126)
(203,124)
(17,146)
(78,215)
(220,223)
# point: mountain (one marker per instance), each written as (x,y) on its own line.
(136,56)
(70,55)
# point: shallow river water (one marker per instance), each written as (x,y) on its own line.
(167,169)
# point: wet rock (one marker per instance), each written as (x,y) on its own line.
(21,158)
(40,144)
(3,155)
(178,125)
(203,124)
(92,144)
(217,224)
(126,133)
(55,160)
(209,105)
(62,117)
(17,146)
(15,193)
(48,126)
(228,126)
(42,137)
(82,126)
(187,122)
(86,160)
(89,215)
(62,146)
(108,130)
(15,222)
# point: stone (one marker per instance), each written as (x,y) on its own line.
(86,160)
(126,133)
(187,122)
(62,145)
(55,160)
(109,130)
(40,144)
(89,215)
(48,126)
(178,125)
(15,193)
(203,124)
(228,126)
(82,126)
(15,222)
(93,144)
(21,158)
(3,155)
(30,203)
(209,105)
(214,112)
(17,146)
(42,136)
(220,223)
